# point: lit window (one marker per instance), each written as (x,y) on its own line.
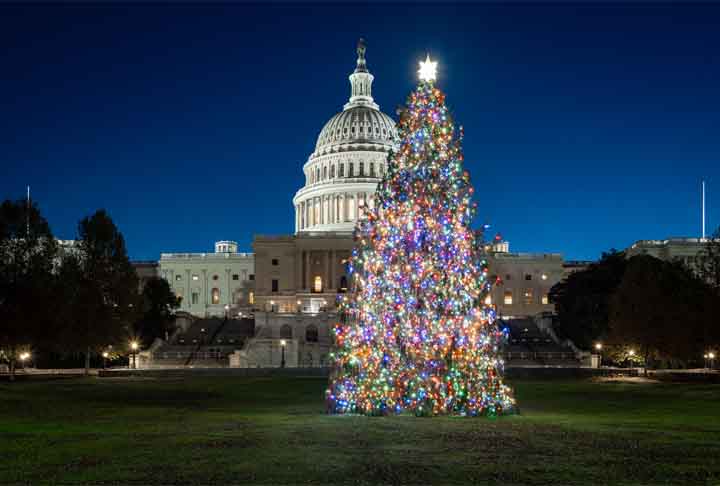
(251,298)
(215,296)
(275,285)
(507,297)
(528,295)
(178,277)
(545,299)
(275,262)
(195,277)
(318,284)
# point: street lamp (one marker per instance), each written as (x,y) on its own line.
(227,309)
(24,357)
(282,356)
(598,348)
(105,357)
(299,305)
(134,347)
(711,355)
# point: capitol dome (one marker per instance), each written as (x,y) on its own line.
(349,160)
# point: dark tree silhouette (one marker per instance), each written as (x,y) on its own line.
(582,299)
(158,311)
(27,254)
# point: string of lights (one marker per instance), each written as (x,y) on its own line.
(415,334)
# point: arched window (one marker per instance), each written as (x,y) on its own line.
(372,169)
(332,171)
(317,174)
(350,169)
(286,331)
(311,333)
(317,286)
(362,169)
(215,296)
(342,170)
(324,172)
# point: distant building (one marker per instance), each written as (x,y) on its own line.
(211,284)
(685,250)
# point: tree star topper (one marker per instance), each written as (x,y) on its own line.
(428,70)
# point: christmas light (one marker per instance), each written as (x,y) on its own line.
(416,334)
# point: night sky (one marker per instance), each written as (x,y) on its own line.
(587,126)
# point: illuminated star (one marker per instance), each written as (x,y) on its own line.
(428,70)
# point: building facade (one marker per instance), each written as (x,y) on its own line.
(211,284)
(685,250)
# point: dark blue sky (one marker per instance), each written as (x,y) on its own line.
(587,126)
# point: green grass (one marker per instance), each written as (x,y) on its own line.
(230,430)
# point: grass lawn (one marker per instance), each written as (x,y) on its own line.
(231,430)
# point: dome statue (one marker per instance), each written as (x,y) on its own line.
(349,159)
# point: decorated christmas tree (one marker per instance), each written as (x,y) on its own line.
(416,334)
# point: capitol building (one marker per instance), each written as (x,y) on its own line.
(290,283)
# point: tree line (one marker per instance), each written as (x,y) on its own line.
(79,300)
(666,312)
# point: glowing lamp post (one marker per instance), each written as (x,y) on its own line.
(23,358)
(282,355)
(105,357)
(134,347)
(598,348)
(711,356)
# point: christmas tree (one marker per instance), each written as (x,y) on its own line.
(416,334)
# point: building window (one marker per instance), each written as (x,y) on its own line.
(332,171)
(545,300)
(215,296)
(507,297)
(528,276)
(286,331)
(311,333)
(324,172)
(343,283)
(317,174)
(195,278)
(215,277)
(372,169)
(251,298)
(195,298)
(362,169)
(252,276)
(380,169)
(236,276)
(238,297)
(350,169)
(275,262)
(244,274)
(178,277)
(508,277)
(317,287)
(528,296)
(275,284)
(341,170)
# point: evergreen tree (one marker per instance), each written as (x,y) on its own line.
(415,335)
